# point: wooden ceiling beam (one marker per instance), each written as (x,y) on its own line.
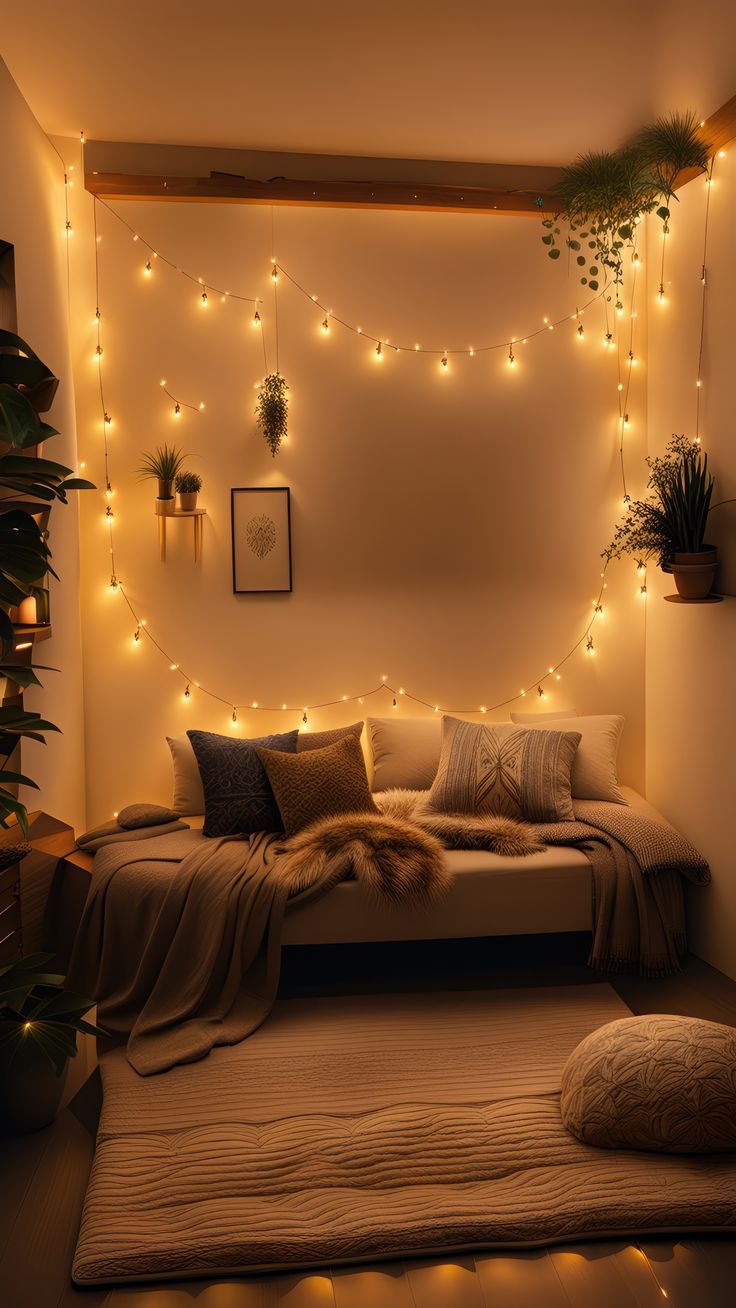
(261,177)
(224,188)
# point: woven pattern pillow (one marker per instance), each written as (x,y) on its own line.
(505,770)
(657,1082)
(238,799)
(319,783)
(318,739)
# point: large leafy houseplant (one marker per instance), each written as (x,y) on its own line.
(28,483)
(39,1023)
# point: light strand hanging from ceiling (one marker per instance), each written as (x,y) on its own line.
(381,344)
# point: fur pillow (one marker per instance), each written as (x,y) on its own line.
(318,784)
(504,770)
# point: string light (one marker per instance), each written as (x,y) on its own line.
(326,326)
(589,647)
(661,297)
(512,358)
(148,270)
(275,274)
(379,352)
(68,228)
(444,363)
(187,693)
(256,319)
(203,299)
(82,139)
(234,718)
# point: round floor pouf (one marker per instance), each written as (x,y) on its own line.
(657,1082)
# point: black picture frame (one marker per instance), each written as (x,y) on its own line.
(240,563)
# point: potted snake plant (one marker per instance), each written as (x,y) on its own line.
(670,524)
(162,466)
(39,1021)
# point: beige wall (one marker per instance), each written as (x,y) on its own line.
(446,529)
(691,650)
(32,218)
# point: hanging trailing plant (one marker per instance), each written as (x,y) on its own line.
(272,410)
(602,196)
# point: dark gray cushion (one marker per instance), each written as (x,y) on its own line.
(238,798)
(145,815)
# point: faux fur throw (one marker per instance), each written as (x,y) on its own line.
(501,835)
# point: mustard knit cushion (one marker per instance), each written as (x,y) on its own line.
(657,1082)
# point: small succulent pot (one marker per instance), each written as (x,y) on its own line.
(30,1087)
(187,501)
(694,573)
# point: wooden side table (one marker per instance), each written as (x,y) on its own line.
(197,516)
(25,885)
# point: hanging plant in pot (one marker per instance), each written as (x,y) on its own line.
(272,410)
(188,486)
(39,1021)
(162,466)
(670,524)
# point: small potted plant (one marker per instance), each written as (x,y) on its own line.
(188,486)
(671,522)
(39,1021)
(163,466)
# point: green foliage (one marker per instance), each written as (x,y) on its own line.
(188,483)
(35,1006)
(602,195)
(27,389)
(272,410)
(163,464)
(674,517)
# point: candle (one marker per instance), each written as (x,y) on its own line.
(27,611)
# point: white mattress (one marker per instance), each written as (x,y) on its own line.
(491,896)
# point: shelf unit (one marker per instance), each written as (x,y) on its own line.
(197,517)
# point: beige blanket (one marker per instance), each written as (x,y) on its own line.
(206,970)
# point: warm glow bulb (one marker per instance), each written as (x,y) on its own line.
(511,359)
(581,332)
(379,351)
(147,271)
(325,327)
(256,320)
(274,274)
(203,299)
(177,410)
(444,363)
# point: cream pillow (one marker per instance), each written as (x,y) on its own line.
(405,753)
(188,792)
(594,767)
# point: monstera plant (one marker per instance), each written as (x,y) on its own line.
(28,483)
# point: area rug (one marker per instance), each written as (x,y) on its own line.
(368,1127)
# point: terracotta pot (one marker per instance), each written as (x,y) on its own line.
(694,573)
(187,501)
(30,1090)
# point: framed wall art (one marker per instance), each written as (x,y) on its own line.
(261,527)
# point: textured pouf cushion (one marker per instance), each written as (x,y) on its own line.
(656,1082)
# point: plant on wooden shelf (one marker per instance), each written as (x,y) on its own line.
(602,195)
(28,485)
(188,486)
(162,467)
(670,523)
(272,410)
(39,1022)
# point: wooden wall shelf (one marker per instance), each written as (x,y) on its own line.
(197,517)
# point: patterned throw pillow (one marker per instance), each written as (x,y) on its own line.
(505,770)
(319,783)
(238,799)
(318,739)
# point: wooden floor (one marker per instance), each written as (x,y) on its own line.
(43,1179)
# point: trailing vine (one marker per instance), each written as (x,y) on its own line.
(603,196)
(272,410)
